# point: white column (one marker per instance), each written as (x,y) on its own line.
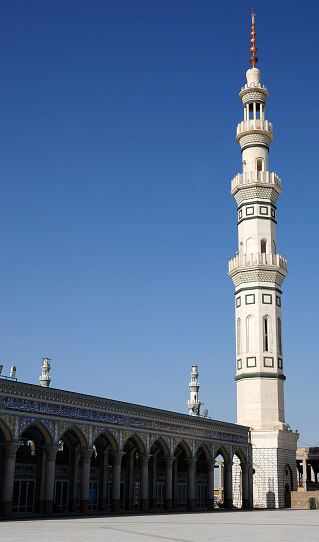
(50,452)
(304,475)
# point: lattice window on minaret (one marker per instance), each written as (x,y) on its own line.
(267,333)
(238,335)
(279,340)
(263,246)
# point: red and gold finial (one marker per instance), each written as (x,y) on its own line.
(253,59)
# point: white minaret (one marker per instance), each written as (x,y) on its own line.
(194,403)
(258,272)
(45,378)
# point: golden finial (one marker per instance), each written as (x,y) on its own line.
(253,59)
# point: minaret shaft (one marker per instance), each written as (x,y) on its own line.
(257,270)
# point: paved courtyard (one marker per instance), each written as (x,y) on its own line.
(248,526)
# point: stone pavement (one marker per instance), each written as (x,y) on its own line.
(222,525)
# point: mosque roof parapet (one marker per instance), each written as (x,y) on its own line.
(257,260)
(256,177)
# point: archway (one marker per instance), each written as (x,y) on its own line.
(30,470)
(288,485)
(68,471)
(131,465)
(202,458)
(181,476)
(101,472)
(157,474)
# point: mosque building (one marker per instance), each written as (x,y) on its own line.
(65,452)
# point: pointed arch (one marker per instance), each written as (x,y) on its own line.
(162,445)
(137,441)
(39,431)
(183,447)
(75,431)
(5,431)
(202,446)
(114,447)
(223,452)
(241,455)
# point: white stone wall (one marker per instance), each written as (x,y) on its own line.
(237,483)
(275,467)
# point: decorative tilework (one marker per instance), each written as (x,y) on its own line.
(56,431)
(9,421)
(25,422)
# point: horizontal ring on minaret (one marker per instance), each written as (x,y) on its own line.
(254,139)
(253,94)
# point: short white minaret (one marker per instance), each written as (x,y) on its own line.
(258,272)
(194,403)
(45,378)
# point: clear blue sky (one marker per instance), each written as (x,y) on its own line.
(118,146)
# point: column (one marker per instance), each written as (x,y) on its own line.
(304,475)
(144,504)
(191,483)
(221,481)
(245,485)
(116,480)
(50,453)
(153,497)
(86,455)
(169,482)
(103,482)
(210,484)
(10,451)
(228,484)
(312,474)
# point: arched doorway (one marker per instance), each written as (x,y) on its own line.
(30,470)
(101,475)
(131,465)
(202,458)
(288,485)
(68,468)
(157,474)
(183,478)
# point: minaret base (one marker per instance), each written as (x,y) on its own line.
(274,467)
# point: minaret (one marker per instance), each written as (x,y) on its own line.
(45,378)
(258,272)
(194,403)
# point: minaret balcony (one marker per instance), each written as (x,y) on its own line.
(253,125)
(255,177)
(257,260)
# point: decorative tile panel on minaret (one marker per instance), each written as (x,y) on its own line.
(258,272)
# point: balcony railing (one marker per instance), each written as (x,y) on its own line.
(255,177)
(259,259)
(254,124)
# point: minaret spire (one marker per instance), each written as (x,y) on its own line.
(253,59)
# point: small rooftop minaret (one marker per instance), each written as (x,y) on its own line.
(45,378)
(258,272)
(194,403)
